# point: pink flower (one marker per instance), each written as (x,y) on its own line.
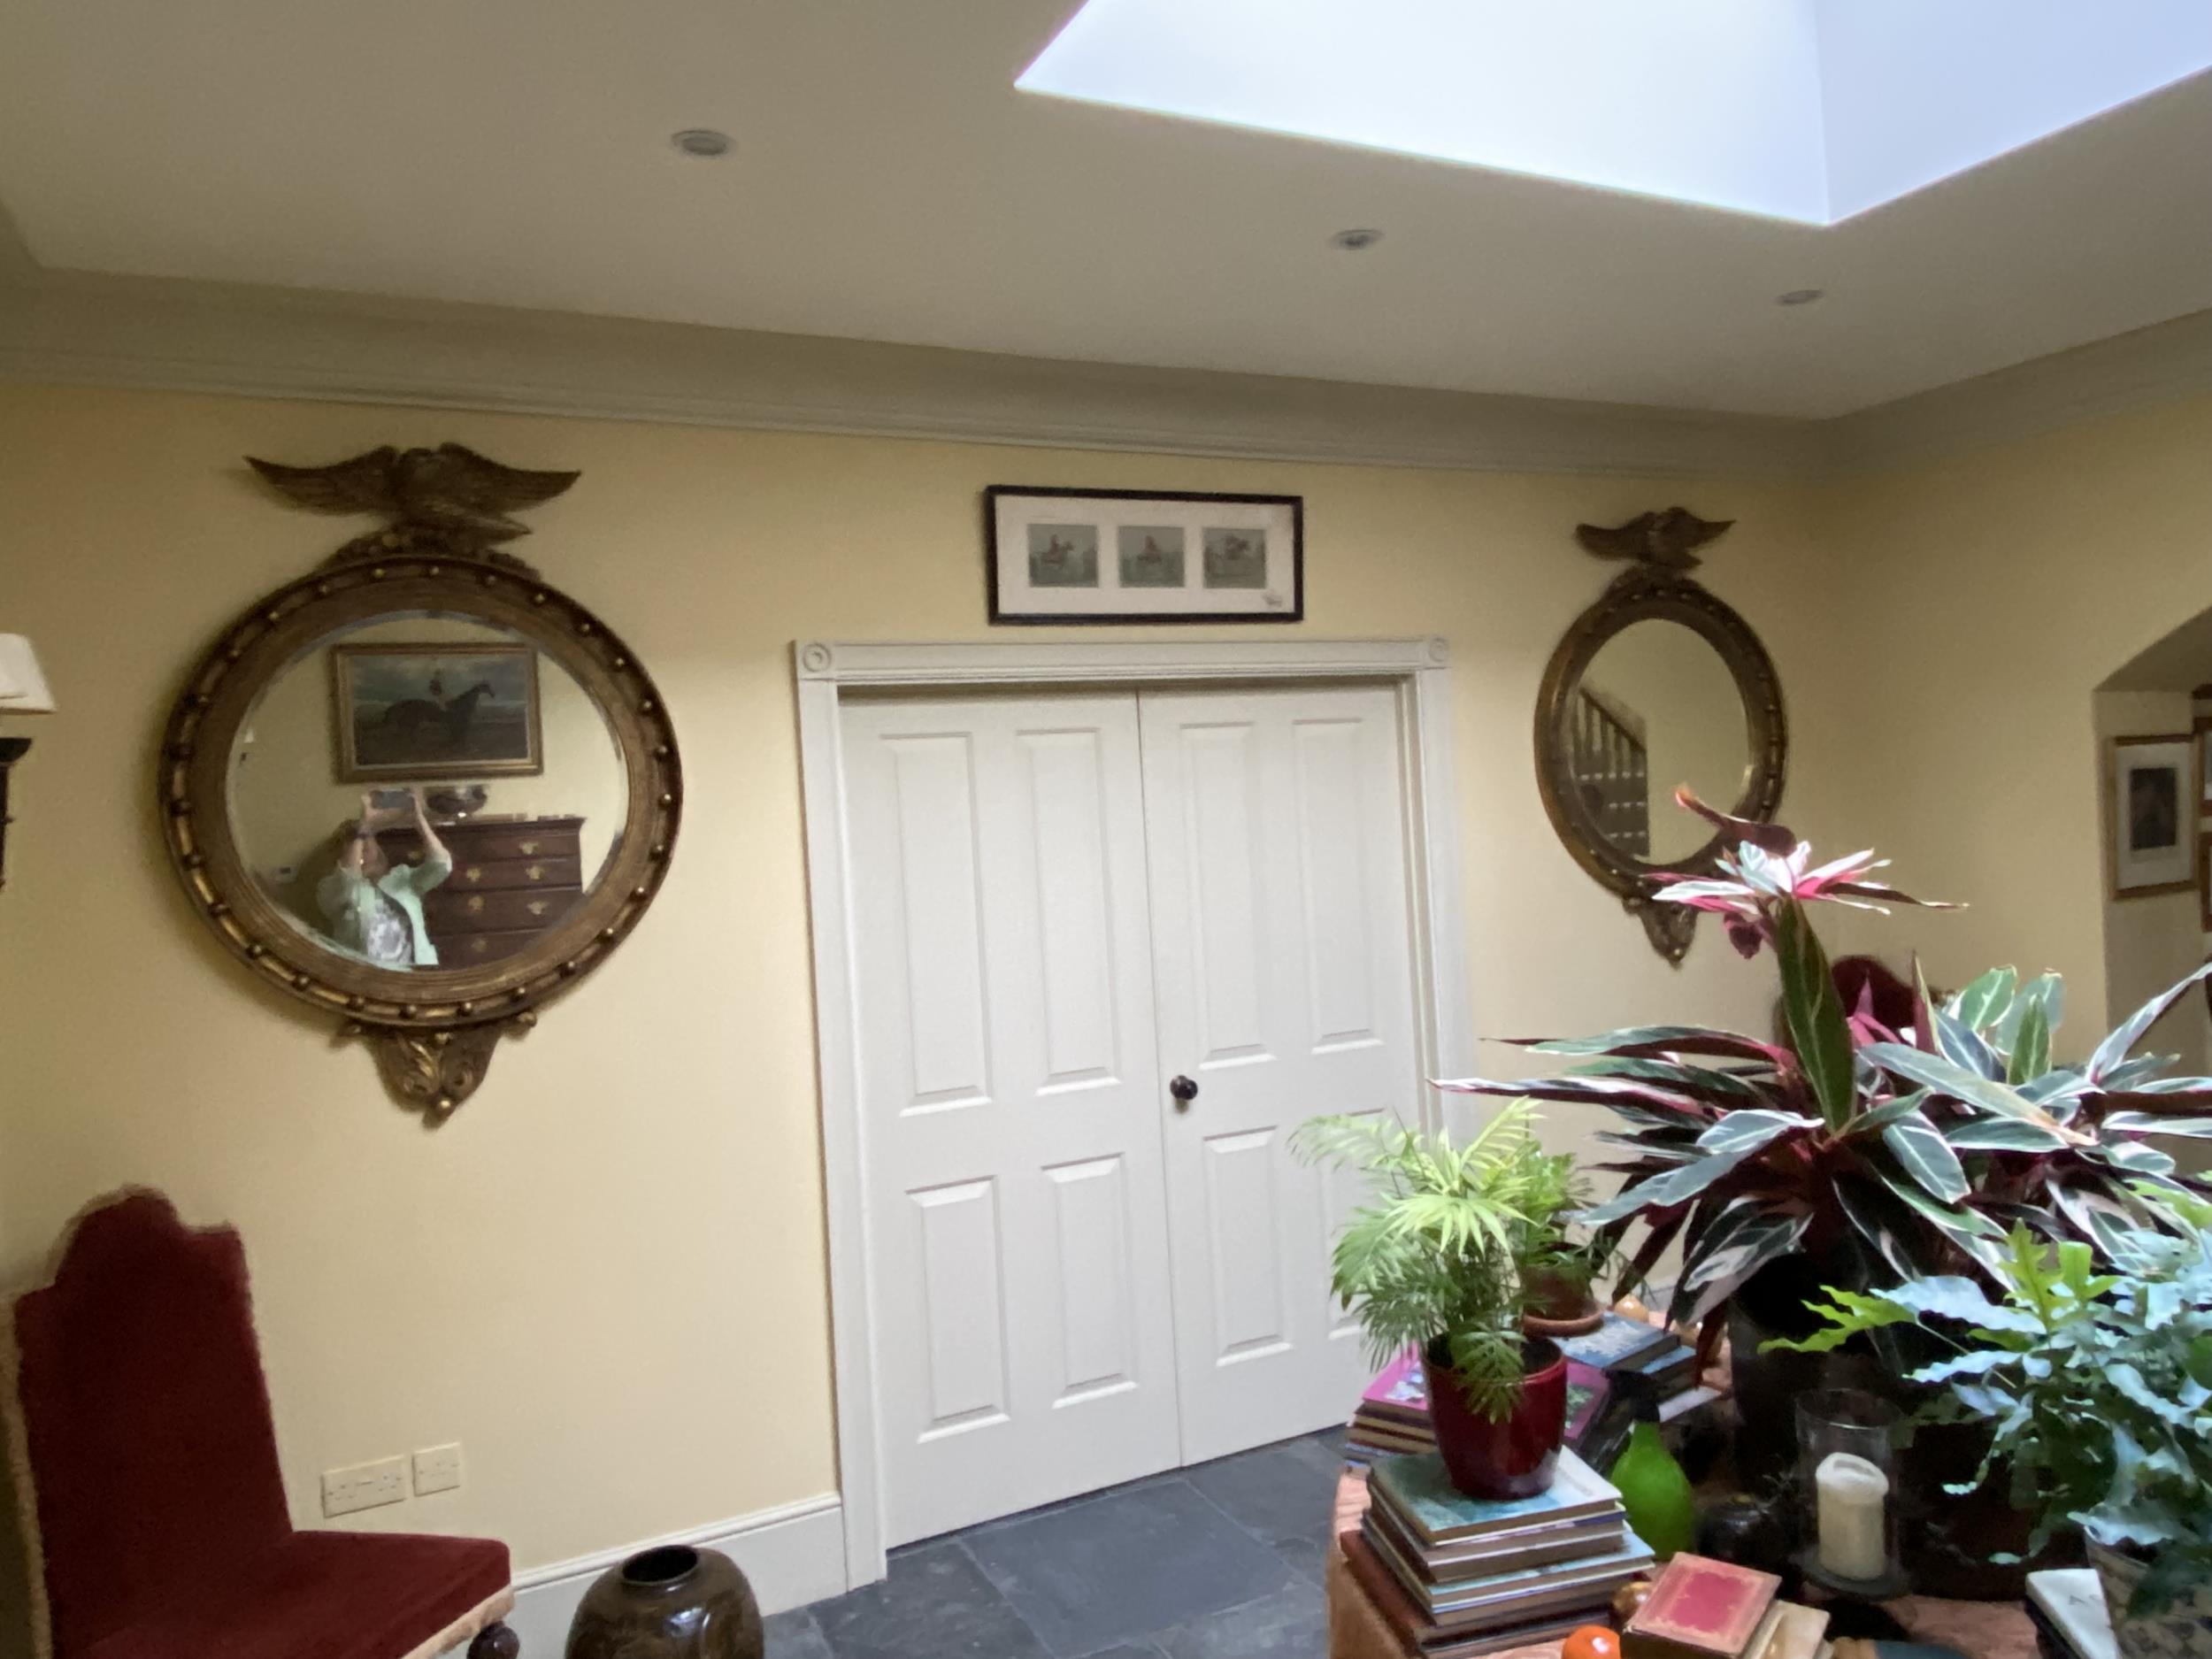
(1761,866)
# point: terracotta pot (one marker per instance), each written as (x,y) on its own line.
(2183,1632)
(1559,1303)
(674,1603)
(1511,1458)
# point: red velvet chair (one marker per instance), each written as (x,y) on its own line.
(145,1461)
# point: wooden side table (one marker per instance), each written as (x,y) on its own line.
(1357,1630)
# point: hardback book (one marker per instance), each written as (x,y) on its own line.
(2069,1609)
(1524,1547)
(1435,1511)
(1422,1636)
(1588,1393)
(1615,1342)
(1700,1608)
(1678,1406)
(1797,1632)
(1400,1394)
(1415,1626)
(1660,1366)
(1499,1592)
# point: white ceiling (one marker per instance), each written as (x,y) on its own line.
(891,184)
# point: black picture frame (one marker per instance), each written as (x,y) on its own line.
(1000,616)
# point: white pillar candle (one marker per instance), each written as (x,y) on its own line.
(1853,1537)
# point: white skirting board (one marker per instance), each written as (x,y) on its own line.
(793,1554)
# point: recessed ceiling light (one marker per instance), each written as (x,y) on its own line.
(702,142)
(1801,296)
(1353,241)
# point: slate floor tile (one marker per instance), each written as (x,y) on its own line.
(794,1635)
(1278,1491)
(1308,1557)
(1118,1568)
(1292,1623)
(935,1604)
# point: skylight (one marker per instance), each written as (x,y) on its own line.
(1806,110)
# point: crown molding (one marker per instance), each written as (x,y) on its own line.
(213,337)
(172,335)
(2166,363)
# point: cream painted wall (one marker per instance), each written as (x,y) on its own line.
(1981,604)
(605,1276)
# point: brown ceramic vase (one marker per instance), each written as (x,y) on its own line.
(674,1603)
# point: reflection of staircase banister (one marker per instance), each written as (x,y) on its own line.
(1611,769)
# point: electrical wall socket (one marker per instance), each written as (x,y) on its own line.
(364,1486)
(437,1468)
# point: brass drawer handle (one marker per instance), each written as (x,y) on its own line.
(473,874)
(537,907)
(536,873)
(528,849)
(479,945)
(475,904)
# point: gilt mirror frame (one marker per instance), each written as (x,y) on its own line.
(431,1030)
(1657,586)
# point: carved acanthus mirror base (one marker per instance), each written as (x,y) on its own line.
(419,788)
(1657,684)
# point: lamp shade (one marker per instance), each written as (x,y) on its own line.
(22,687)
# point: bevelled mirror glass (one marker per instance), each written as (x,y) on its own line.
(520,784)
(1658,685)
(1657,707)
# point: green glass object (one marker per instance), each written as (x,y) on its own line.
(1654,1492)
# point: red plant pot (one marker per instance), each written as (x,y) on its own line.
(1514,1457)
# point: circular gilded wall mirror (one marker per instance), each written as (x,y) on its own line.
(1657,686)
(421,788)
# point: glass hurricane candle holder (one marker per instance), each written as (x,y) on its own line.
(1846,1462)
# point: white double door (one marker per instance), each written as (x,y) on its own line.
(1061,906)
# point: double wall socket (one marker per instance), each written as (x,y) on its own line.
(364,1486)
(437,1468)
(372,1486)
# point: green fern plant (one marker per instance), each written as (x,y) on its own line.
(1435,1260)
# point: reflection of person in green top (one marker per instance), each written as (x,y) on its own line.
(374,906)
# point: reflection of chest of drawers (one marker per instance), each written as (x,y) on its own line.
(513,878)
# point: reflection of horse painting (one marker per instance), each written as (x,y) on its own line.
(395,720)
(406,720)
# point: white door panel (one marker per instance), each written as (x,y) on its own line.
(1057,903)
(1275,822)
(1010,1102)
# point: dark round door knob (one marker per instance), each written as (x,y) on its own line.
(1184,1090)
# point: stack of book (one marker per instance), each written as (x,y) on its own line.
(1632,1357)
(1702,1609)
(1393,1413)
(1455,1576)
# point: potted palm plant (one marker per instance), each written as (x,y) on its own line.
(1561,1268)
(1438,1261)
(2098,1390)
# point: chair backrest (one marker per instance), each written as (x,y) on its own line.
(145,1416)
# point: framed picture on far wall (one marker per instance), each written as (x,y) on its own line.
(418,712)
(1069,555)
(2153,815)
